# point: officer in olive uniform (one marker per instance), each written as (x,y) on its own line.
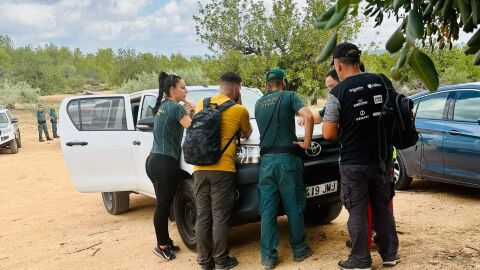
(281,171)
(53,120)
(42,124)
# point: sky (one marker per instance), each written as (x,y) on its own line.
(156,26)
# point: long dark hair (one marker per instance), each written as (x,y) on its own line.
(165,82)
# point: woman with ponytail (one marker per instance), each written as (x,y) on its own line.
(170,119)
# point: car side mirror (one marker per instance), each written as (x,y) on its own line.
(145,124)
(14,120)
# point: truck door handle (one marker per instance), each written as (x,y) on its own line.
(136,142)
(76,143)
(454,132)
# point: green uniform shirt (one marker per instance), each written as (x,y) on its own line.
(40,117)
(281,132)
(53,116)
(167,130)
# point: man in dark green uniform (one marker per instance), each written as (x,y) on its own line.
(53,120)
(42,124)
(281,169)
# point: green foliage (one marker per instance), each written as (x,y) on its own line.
(142,81)
(425,24)
(16,93)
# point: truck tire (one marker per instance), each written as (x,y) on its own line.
(323,214)
(186,213)
(13,146)
(401,179)
(116,202)
(19,141)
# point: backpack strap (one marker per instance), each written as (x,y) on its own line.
(227,104)
(206,102)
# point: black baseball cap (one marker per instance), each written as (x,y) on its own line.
(346,49)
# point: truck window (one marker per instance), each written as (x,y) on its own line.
(3,118)
(147,106)
(97,114)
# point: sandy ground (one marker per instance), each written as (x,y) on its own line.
(46,224)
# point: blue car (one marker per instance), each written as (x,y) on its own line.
(448,149)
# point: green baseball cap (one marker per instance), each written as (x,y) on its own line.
(275,74)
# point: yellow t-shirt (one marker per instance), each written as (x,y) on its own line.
(234,119)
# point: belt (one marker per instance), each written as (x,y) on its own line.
(295,150)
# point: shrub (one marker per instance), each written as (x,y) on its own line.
(18,93)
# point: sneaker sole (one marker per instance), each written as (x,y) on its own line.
(369,268)
(391,263)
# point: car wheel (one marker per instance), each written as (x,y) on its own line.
(323,214)
(116,202)
(186,213)
(19,141)
(400,177)
(13,146)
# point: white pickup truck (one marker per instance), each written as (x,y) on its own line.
(9,131)
(106,140)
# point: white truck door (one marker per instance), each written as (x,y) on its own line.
(97,142)
(143,146)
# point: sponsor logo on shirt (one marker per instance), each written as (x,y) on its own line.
(372,85)
(376,114)
(377,99)
(363,116)
(354,90)
(197,124)
(360,102)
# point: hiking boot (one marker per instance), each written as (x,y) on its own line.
(171,246)
(392,262)
(210,266)
(231,263)
(269,266)
(351,265)
(49,139)
(41,140)
(163,253)
(55,137)
(307,254)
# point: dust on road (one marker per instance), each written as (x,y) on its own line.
(46,224)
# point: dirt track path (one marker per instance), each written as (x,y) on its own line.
(46,224)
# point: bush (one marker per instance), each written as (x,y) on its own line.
(21,92)
(144,80)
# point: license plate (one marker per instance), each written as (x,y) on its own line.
(322,189)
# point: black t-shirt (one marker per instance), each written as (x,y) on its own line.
(356,104)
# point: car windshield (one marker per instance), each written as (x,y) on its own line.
(249,98)
(3,118)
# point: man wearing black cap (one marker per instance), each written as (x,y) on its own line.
(352,114)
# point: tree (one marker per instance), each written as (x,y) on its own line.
(286,35)
(423,24)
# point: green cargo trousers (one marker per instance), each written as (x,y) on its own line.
(281,178)
(42,127)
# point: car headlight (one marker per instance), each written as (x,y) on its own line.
(248,154)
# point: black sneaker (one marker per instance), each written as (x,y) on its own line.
(392,262)
(171,246)
(163,253)
(210,266)
(49,139)
(304,256)
(231,263)
(351,265)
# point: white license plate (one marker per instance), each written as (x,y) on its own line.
(322,189)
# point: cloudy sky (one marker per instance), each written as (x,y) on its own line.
(157,26)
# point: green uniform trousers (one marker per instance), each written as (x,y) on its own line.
(42,127)
(54,128)
(281,178)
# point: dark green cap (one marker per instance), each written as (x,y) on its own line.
(275,74)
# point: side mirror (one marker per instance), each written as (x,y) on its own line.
(145,124)
(14,120)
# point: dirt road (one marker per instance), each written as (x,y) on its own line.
(46,224)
